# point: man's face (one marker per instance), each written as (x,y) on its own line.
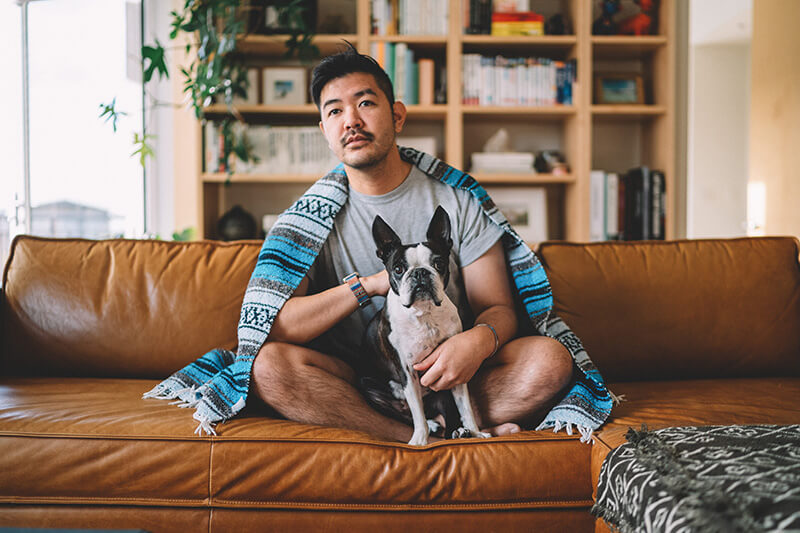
(357,120)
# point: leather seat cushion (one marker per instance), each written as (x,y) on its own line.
(701,402)
(94,440)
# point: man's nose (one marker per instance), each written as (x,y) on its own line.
(353,119)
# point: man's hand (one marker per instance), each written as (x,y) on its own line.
(376,284)
(455,361)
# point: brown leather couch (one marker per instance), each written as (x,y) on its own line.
(690,332)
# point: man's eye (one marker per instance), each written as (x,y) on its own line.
(333,112)
(366,102)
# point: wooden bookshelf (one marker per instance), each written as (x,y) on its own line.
(611,137)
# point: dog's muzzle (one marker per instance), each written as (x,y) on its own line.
(421,287)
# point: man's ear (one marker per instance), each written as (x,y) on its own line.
(439,228)
(385,238)
(399,113)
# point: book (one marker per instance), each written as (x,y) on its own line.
(597,186)
(427,77)
(512,162)
(611,206)
(658,210)
(637,204)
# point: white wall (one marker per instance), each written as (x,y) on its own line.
(718,117)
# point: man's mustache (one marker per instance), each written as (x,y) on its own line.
(353,134)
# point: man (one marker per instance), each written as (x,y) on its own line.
(304,369)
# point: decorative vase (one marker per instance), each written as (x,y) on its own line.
(236,224)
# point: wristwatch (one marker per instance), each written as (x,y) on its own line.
(358,289)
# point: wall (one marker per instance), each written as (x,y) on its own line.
(718,132)
(717,123)
(775,112)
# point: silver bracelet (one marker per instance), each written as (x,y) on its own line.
(496,338)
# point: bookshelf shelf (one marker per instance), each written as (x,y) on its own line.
(629,111)
(522,179)
(275,45)
(558,41)
(516,111)
(626,47)
(613,138)
(222,177)
(433,40)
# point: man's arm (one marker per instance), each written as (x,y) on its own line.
(305,317)
(488,290)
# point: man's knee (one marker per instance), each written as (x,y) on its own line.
(273,364)
(550,363)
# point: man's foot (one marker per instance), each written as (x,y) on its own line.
(503,429)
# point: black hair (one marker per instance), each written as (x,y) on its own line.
(344,63)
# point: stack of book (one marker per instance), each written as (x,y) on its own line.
(413,81)
(278,149)
(480,17)
(502,162)
(516,81)
(524,23)
(409,17)
(630,207)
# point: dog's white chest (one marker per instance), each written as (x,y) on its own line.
(417,331)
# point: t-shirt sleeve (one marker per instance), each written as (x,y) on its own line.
(478,233)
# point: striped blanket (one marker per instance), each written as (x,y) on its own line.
(217,384)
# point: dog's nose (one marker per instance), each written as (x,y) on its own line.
(418,274)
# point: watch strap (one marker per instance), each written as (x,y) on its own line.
(359,292)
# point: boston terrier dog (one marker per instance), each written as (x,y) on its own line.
(417,317)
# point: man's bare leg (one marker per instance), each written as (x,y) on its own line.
(310,387)
(520,383)
(513,388)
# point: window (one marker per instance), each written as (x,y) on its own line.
(82,181)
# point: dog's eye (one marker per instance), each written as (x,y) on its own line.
(399,269)
(438,264)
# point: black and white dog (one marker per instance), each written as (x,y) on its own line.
(417,317)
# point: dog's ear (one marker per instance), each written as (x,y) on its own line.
(385,238)
(439,228)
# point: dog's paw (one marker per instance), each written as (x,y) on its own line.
(461,433)
(419,438)
(434,427)
(464,433)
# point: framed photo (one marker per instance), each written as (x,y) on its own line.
(618,89)
(285,86)
(525,208)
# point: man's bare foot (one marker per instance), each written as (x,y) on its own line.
(503,429)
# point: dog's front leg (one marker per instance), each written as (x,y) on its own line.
(413,393)
(461,396)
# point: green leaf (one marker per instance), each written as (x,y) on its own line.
(186,234)
(144,150)
(155,55)
(113,114)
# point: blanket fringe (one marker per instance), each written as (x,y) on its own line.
(587,433)
(617,399)
(205,426)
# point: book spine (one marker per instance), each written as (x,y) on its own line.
(658,214)
(612,205)
(597,206)
(426,81)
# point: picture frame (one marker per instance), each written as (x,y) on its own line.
(525,208)
(618,89)
(285,85)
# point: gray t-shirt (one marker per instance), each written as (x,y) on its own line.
(408,210)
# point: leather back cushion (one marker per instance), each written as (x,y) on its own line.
(120,308)
(684,309)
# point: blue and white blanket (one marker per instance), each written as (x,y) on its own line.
(217,384)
